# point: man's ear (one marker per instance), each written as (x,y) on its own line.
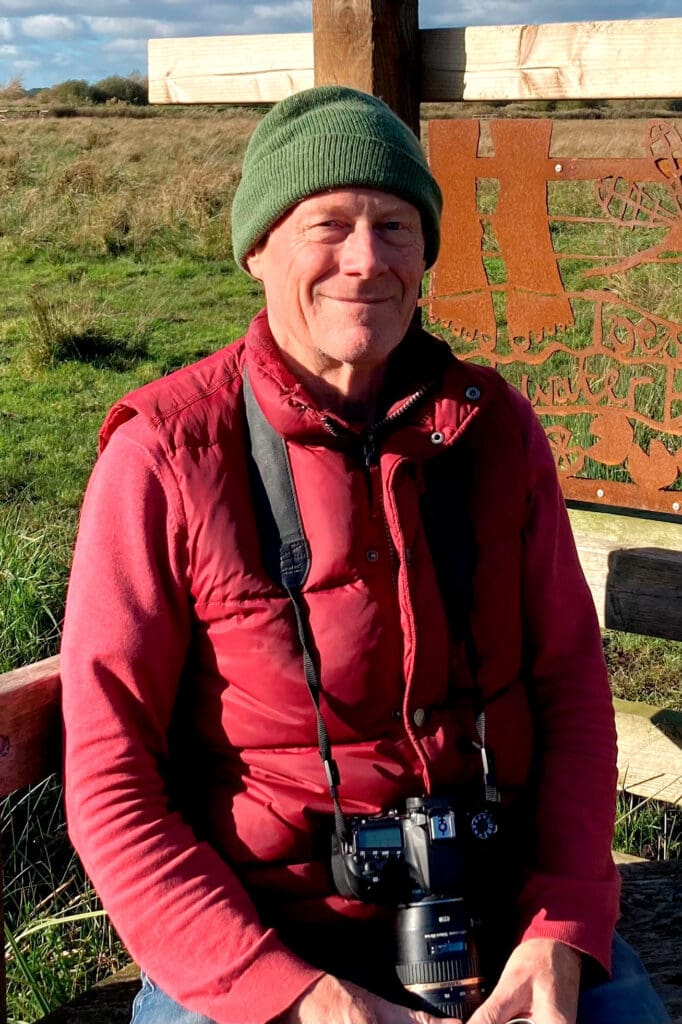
(253,261)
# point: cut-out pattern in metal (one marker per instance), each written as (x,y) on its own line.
(564,274)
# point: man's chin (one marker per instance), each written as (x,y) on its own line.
(364,344)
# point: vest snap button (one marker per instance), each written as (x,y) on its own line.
(437,437)
(419,717)
(372,555)
(473,393)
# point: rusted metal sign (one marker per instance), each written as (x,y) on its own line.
(564,274)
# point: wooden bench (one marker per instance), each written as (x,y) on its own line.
(30,740)
(651,922)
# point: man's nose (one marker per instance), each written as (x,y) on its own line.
(362,252)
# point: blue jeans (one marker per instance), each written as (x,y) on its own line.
(628,998)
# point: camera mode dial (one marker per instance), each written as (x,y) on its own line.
(483,825)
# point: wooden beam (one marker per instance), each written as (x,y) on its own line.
(229,69)
(30,724)
(371,45)
(3,969)
(584,60)
(633,566)
(649,750)
(651,922)
(649,739)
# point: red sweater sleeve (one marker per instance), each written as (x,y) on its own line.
(573,892)
(178,907)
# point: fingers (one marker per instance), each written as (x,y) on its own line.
(331,1001)
(421,1017)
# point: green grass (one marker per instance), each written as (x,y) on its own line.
(69,350)
(644,668)
(647,828)
(32,581)
(57,939)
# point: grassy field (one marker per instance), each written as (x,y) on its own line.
(116,259)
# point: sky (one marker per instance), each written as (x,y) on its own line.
(48,43)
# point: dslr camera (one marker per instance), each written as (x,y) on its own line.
(426,861)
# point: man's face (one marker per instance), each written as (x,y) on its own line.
(341,272)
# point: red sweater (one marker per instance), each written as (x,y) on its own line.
(192,767)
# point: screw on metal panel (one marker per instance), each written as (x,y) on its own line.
(600,493)
(676,506)
(558,168)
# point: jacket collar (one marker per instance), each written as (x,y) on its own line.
(422,368)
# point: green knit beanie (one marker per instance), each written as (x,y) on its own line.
(330,137)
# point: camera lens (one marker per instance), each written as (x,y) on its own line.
(437,957)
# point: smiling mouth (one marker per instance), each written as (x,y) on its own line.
(360,301)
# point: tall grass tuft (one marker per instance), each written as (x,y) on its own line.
(31,592)
(60,331)
(648,828)
(57,938)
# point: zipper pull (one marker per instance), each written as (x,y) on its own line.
(370,449)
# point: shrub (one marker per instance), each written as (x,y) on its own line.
(131,89)
(69,93)
(12,90)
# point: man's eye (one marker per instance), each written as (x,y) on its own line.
(393,225)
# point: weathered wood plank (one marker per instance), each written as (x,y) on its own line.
(30,724)
(649,750)
(229,69)
(634,568)
(649,739)
(371,45)
(583,60)
(3,973)
(108,1002)
(651,922)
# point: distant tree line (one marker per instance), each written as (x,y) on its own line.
(130,89)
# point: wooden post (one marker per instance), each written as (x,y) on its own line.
(3,973)
(371,45)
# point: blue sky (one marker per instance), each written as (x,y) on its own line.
(80,39)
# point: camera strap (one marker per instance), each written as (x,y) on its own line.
(286,557)
(451,540)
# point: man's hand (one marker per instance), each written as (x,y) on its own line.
(541,980)
(331,1001)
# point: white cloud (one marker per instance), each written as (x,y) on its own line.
(141,27)
(295,9)
(49,26)
(9,51)
(5,28)
(138,47)
(61,59)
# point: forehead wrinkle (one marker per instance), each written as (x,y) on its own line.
(365,201)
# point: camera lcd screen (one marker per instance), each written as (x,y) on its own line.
(383,837)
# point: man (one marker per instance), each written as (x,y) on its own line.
(195,790)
